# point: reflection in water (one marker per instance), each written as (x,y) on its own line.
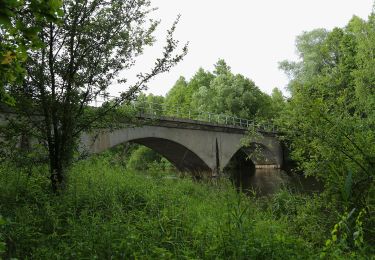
(262,181)
(269,181)
(265,181)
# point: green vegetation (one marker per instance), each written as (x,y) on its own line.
(129,203)
(221,92)
(329,121)
(17,37)
(78,58)
(145,159)
(108,212)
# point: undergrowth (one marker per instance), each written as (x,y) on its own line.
(107,212)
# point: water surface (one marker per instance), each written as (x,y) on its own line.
(269,181)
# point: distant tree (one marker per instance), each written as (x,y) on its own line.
(149,103)
(200,79)
(80,59)
(233,95)
(221,68)
(178,97)
(220,92)
(181,94)
(277,102)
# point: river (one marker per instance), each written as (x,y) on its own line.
(268,181)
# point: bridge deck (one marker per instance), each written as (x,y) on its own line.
(176,122)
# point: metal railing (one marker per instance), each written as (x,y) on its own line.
(159,111)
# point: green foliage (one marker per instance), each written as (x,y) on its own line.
(277,103)
(17,37)
(346,234)
(145,159)
(347,189)
(222,92)
(110,212)
(330,123)
(329,118)
(232,95)
(2,243)
(178,97)
(181,95)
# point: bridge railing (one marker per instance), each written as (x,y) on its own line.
(158,110)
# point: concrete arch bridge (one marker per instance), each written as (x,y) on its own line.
(192,145)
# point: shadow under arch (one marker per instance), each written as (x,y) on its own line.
(239,169)
(248,169)
(181,157)
(255,154)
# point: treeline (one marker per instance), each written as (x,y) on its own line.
(220,92)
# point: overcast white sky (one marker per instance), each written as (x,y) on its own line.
(252,36)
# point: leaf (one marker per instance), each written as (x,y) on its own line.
(346,192)
(8,58)
(2,221)
(2,247)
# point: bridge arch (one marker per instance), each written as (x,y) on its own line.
(186,149)
(263,153)
(179,155)
(256,154)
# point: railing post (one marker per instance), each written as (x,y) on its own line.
(209,117)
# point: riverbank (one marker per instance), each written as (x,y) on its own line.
(107,212)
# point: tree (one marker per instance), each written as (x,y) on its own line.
(177,97)
(181,94)
(277,102)
(232,95)
(328,119)
(148,104)
(220,92)
(79,60)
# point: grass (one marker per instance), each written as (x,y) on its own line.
(107,212)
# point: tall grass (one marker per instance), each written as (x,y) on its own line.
(109,213)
